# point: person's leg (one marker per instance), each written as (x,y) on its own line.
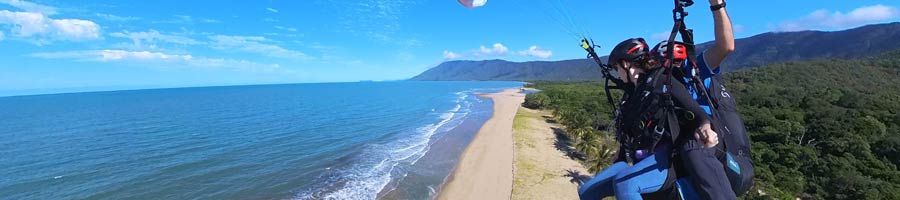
(686,189)
(646,176)
(706,171)
(601,185)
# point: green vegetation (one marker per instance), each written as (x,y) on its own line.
(827,129)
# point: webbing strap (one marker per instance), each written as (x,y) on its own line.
(604,70)
(687,37)
(668,106)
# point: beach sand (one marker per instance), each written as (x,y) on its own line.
(485,169)
(542,170)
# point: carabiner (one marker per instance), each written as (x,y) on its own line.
(659,130)
(689,115)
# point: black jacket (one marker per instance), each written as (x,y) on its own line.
(641,112)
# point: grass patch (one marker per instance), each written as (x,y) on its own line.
(520,126)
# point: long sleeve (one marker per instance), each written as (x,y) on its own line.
(683,99)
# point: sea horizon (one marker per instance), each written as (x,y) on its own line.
(52,91)
(279,141)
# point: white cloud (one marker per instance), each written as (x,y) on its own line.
(661,36)
(290,35)
(827,20)
(377,20)
(112,55)
(286,28)
(156,59)
(30,7)
(209,21)
(537,52)
(737,28)
(272,10)
(255,44)
(496,50)
(500,50)
(76,28)
(150,39)
(449,55)
(44,29)
(116,55)
(187,19)
(112,17)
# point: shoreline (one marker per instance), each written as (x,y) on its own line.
(485,168)
(441,157)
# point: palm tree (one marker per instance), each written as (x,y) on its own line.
(586,143)
(599,150)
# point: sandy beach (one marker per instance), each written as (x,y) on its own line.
(485,169)
(514,155)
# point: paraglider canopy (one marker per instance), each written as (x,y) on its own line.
(472,3)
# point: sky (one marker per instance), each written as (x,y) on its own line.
(58,46)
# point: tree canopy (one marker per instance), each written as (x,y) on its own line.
(824,129)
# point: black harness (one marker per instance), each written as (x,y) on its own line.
(659,116)
(652,117)
(737,151)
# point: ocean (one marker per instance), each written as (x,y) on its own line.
(366,140)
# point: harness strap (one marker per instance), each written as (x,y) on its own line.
(604,70)
(687,37)
(667,104)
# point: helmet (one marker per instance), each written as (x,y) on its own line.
(659,51)
(632,50)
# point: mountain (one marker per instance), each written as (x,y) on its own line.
(758,50)
(565,70)
(768,48)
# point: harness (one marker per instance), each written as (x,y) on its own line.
(656,115)
(687,37)
(737,153)
(661,113)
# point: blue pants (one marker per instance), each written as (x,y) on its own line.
(629,182)
(706,171)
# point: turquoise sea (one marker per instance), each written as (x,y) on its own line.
(367,140)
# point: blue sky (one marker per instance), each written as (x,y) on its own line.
(56,45)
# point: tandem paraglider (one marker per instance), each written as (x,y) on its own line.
(472,3)
(672,117)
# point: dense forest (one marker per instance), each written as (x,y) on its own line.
(824,129)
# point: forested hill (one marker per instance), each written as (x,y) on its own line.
(823,129)
(758,50)
(769,48)
(827,129)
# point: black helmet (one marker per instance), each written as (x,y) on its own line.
(632,50)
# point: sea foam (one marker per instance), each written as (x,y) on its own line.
(381,162)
